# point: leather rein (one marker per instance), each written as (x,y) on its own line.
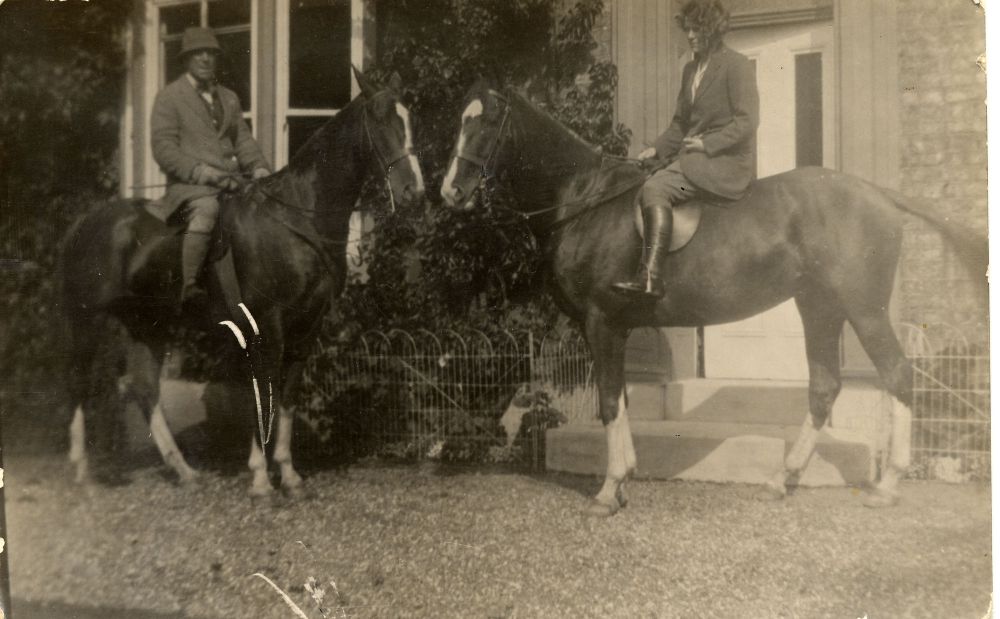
(317,243)
(587,202)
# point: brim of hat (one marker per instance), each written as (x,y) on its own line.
(182,53)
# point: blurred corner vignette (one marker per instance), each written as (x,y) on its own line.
(464,308)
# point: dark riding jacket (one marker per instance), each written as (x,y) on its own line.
(184,135)
(724,112)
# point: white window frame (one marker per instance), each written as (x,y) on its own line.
(153,73)
(282,109)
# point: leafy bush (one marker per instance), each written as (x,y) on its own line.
(61,71)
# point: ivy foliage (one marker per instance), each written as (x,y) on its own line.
(433,266)
(62,67)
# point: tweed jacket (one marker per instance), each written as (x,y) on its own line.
(724,112)
(184,135)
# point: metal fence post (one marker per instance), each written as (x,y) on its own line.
(5,611)
(533,387)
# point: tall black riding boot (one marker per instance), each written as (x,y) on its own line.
(658,223)
(194,249)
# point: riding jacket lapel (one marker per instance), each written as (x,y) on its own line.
(194,101)
(711,72)
(228,108)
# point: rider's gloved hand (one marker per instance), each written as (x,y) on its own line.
(649,153)
(208,175)
(261,173)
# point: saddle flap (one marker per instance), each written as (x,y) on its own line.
(687,216)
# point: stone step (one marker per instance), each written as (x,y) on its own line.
(647,400)
(737,401)
(713,451)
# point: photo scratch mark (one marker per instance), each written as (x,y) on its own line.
(284,596)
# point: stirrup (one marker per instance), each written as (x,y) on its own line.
(647,288)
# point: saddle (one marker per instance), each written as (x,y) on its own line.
(687,218)
(153,255)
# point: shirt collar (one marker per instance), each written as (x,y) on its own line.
(210,89)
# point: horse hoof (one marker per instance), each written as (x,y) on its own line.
(597,509)
(771,494)
(300,492)
(880,498)
(188,480)
(261,500)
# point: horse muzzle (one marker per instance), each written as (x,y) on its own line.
(457,197)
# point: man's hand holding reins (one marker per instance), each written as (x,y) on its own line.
(694,144)
(209,175)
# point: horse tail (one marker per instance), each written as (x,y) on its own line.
(971,246)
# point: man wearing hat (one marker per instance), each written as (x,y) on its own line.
(203,146)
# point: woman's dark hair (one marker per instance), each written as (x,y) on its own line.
(708,17)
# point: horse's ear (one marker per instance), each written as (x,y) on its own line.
(481,85)
(367,88)
(395,83)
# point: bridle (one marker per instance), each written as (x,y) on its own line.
(386,161)
(484,162)
(587,202)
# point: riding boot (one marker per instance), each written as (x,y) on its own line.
(658,223)
(193,252)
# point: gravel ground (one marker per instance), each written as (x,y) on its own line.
(427,542)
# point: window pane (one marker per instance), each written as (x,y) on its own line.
(809,109)
(228,13)
(319,54)
(234,64)
(175,19)
(300,128)
(174,67)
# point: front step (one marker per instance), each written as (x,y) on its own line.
(711,451)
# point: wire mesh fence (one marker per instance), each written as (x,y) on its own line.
(455,395)
(951,403)
(486,397)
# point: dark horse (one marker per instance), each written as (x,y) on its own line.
(826,239)
(288,234)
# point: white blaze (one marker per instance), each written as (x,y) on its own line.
(473,110)
(414,164)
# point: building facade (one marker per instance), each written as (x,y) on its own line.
(886,90)
(288,60)
(889,91)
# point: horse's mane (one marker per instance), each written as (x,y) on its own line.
(318,146)
(546,122)
(579,169)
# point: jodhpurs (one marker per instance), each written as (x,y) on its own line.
(667,187)
(202,214)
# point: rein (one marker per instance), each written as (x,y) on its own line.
(588,202)
(314,241)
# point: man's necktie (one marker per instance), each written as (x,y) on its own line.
(215,109)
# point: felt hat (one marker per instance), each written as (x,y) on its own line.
(196,39)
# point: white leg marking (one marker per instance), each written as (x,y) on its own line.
(803,449)
(621,455)
(77,447)
(164,440)
(283,449)
(899,448)
(261,485)
(77,450)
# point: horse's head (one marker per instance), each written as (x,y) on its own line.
(389,135)
(477,154)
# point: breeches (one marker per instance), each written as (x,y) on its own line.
(202,214)
(667,187)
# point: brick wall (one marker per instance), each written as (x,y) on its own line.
(943,158)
